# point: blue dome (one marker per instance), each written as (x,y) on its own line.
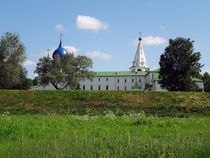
(60,51)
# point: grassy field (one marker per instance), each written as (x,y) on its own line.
(104,124)
(103,136)
(101,102)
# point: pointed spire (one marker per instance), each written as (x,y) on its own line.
(61,35)
(140,36)
(139,62)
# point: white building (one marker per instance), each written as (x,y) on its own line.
(138,78)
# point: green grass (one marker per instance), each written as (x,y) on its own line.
(23,136)
(101,102)
(104,124)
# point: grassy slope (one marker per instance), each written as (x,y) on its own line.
(103,136)
(111,135)
(101,102)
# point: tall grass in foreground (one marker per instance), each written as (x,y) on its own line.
(103,136)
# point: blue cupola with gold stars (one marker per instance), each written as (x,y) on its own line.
(60,51)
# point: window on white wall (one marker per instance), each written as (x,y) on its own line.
(107,87)
(99,88)
(83,87)
(91,87)
(107,79)
(132,80)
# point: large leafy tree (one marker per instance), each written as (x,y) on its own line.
(179,64)
(12,56)
(206,81)
(64,71)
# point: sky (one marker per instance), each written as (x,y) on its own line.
(106,30)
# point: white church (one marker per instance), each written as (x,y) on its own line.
(138,78)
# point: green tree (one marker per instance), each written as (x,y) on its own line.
(207,86)
(12,56)
(206,81)
(25,83)
(205,77)
(178,64)
(35,81)
(64,71)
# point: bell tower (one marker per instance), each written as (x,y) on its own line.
(139,62)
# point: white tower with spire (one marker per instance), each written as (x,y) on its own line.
(139,62)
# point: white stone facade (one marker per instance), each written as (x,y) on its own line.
(131,81)
(113,83)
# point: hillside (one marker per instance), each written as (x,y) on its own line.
(94,124)
(103,102)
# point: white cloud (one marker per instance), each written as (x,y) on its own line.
(154,40)
(59,28)
(90,23)
(99,54)
(29,62)
(71,49)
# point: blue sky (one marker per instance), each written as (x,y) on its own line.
(106,30)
